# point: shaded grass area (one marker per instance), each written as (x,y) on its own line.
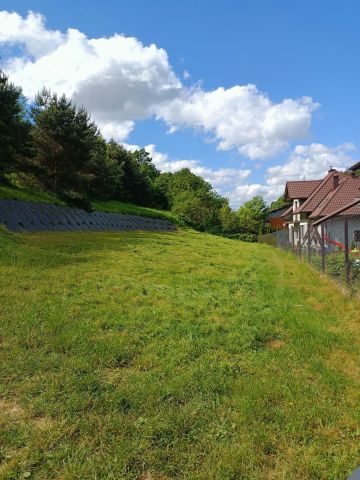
(172,356)
(10,192)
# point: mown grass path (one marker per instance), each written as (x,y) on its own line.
(173,356)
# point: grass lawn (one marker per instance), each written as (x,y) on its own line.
(156,356)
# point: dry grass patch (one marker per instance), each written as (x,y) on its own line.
(11,409)
(275,344)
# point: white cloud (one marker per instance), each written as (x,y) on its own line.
(241,117)
(165,164)
(306,162)
(311,161)
(120,81)
(242,193)
(118,131)
(30,32)
(220,178)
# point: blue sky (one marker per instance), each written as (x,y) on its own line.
(288,50)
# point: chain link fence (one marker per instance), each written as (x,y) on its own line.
(324,247)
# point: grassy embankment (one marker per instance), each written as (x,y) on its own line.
(172,356)
(11,192)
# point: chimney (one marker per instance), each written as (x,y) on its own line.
(336,180)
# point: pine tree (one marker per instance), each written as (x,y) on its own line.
(14,127)
(64,140)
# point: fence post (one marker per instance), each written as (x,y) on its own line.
(346,249)
(293,237)
(299,240)
(322,244)
(309,241)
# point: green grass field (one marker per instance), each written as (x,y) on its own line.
(156,356)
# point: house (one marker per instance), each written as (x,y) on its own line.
(296,193)
(313,200)
(275,218)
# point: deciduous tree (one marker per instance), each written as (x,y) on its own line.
(252,215)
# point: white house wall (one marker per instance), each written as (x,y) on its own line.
(303,230)
(335,228)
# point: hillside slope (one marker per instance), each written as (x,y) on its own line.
(10,192)
(172,356)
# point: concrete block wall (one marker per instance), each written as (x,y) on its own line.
(18,216)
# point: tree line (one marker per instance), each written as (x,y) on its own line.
(54,146)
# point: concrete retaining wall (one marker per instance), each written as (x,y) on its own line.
(18,216)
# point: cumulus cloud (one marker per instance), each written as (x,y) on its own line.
(242,193)
(163,162)
(119,131)
(306,162)
(310,162)
(241,117)
(220,178)
(120,81)
(30,32)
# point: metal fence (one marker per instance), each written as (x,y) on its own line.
(317,246)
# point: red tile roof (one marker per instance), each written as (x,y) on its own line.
(345,193)
(326,186)
(300,188)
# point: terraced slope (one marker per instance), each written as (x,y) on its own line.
(8,192)
(172,356)
(19,216)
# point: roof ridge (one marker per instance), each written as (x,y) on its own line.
(323,204)
(300,188)
(327,177)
